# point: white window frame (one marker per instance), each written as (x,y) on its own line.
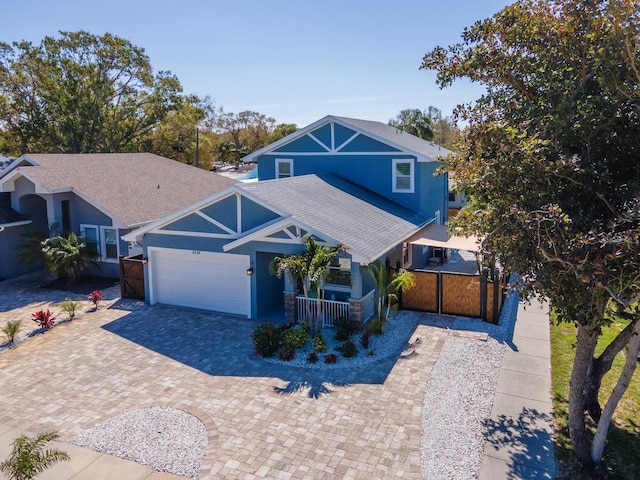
(284,160)
(102,243)
(395,176)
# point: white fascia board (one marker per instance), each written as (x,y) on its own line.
(252,157)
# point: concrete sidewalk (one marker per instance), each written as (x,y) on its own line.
(520,433)
(84,464)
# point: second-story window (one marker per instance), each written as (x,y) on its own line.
(284,168)
(403,176)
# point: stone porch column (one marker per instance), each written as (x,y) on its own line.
(356,311)
(290,307)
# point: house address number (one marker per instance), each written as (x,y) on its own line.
(195,252)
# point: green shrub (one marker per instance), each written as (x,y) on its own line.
(11,329)
(294,338)
(319,343)
(69,307)
(344,328)
(375,326)
(312,357)
(266,339)
(348,349)
(29,457)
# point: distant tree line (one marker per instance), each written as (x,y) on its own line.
(427,124)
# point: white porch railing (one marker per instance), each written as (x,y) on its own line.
(331,310)
(368,306)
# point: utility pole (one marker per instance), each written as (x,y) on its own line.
(197,146)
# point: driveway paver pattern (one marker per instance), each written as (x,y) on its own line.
(264,420)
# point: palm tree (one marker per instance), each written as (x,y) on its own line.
(29,458)
(321,258)
(387,288)
(310,269)
(67,257)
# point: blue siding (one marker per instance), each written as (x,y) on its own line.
(433,188)
(373,172)
(363,143)
(186,243)
(323,134)
(341,134)
(194,223)
(224,211)
(280,234)
(254,215)
(303,144)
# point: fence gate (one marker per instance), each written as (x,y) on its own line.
(132,277)
(460,294)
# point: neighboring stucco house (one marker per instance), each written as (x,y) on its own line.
(361,184)
(98,196)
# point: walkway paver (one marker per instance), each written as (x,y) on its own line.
(520,440)
(264,420)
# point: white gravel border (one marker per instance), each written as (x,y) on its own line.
(167,439)
(459,397)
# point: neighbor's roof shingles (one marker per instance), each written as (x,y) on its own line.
(135,188)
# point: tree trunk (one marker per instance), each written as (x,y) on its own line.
(601,366)
(582,366)
(621,386)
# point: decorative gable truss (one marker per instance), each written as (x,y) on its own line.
(230,217)
(335,139)
(286,230)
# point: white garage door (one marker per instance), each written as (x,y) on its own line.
(209,281)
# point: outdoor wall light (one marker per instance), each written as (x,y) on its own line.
(249,271)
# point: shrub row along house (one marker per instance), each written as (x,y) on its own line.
(207,241)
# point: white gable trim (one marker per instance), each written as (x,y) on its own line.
(262,234)
(271,149)
(214,222)
(136,236)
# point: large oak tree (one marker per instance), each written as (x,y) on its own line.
(81,93)
(551,161)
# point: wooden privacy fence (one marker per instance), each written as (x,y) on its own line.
(132,277)
(462,294)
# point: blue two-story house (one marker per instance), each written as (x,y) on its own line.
(362,184)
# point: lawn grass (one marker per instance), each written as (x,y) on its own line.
(621,457)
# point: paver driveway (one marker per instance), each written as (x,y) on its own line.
(264,420)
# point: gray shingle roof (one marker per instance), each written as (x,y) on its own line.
(366,228)
(135,188)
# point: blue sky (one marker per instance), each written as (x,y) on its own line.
(293,60)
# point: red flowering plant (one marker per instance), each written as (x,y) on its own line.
(267,339)
(95,297)
(44,319)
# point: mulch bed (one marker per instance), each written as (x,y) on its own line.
(84,285)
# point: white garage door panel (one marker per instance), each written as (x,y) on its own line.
(209,281)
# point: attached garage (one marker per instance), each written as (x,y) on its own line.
(203,280)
